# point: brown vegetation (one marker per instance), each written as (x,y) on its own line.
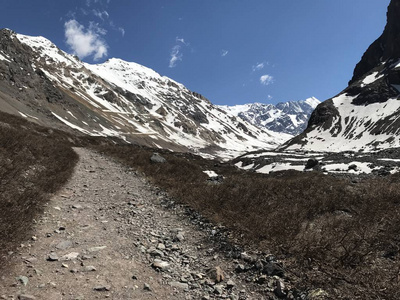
(332,233)
(34,162)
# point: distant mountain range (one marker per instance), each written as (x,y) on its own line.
(42,83)
(288,117)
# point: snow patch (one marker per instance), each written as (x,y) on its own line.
(211,173)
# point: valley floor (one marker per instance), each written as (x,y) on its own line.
(107,234)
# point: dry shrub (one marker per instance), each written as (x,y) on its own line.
(34,162)
(332,233)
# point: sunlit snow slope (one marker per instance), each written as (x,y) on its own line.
(289,117)
(366,115)
(117,98)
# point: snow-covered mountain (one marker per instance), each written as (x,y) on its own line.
(289,117)
(366,115)
(117,98)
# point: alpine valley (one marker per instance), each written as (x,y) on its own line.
(120,183)
(120,99)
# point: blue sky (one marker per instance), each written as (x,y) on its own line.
(231,51)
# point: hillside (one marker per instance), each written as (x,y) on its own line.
(119,99)
(365,115)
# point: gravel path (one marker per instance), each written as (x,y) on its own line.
(107,234)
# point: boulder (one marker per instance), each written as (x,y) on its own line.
(157,158)
(311,163)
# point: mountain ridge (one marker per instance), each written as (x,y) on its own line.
(117,98)
(290,117)
(365,116)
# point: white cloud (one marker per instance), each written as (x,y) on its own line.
(176,56)
(181,40)
(101,14)
(115,27)
(102,2)
(266,79)
(224,52)
(176,51)
(258,66)
(85,42)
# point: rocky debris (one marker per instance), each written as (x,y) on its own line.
(317,294)
(180,285)
(157,158)
(215,179)
(280,289)
(132,235)
(216,274)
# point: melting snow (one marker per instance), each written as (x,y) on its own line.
(2,57)
(371,78)
(211,173)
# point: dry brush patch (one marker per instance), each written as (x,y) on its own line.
(34,162)
(332,233)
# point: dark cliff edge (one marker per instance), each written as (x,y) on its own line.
(380,59)
(386,47)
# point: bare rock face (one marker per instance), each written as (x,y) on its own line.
(387,46)
(365,115)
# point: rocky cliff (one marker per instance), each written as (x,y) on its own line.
(366,115)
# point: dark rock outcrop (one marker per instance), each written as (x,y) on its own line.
(386,47)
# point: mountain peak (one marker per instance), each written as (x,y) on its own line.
(119,99)
(289,117)
(386,47)
(365,116)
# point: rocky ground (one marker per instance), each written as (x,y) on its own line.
(110,234)
(379,163)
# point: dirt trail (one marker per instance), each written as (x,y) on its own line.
(106,235)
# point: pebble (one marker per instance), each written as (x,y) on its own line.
(216,274)
(52,257)
(159,264)
(89,269)
(97,249)
(69,256)
(25,297)
(146,287)
(64,245)
(23,279)
(230,284)
(180,285)
(102,288)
